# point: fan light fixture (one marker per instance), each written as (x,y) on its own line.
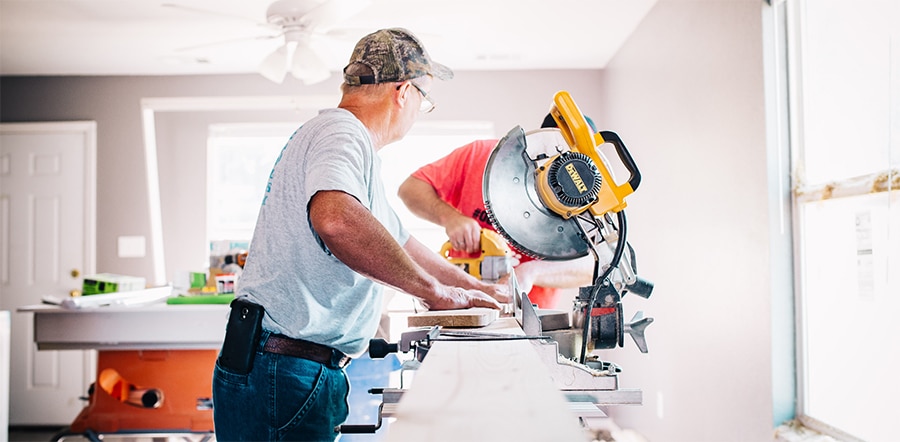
(300,21)
(296,56)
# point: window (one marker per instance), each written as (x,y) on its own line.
(240,158)
(845,74)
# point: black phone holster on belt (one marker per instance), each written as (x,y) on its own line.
(241,336)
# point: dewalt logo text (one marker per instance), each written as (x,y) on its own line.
(576,178)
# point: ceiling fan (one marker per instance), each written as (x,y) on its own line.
(300,23)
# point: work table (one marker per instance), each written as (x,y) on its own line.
(155,326)
(468,390)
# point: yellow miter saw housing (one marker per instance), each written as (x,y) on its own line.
(579,179)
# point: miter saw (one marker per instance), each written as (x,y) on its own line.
(552,195)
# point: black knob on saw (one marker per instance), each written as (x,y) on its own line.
(640,287)
(379,348)
(574,179)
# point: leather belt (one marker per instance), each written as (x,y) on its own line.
(298,348)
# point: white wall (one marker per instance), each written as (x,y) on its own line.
(686,94)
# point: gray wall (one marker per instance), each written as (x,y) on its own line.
(686,96)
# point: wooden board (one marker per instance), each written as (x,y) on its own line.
(471,317)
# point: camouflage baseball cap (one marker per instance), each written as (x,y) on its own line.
(393,55)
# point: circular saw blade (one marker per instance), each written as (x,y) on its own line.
(512,202)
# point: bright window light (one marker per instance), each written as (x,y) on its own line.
(847,214)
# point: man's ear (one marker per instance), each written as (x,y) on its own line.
(402,94)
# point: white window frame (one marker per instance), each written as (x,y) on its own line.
(875,182)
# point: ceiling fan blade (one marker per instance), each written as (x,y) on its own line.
(347,34)
(274,66)
(211,12)
(225,42)
(332,12)
(307,66)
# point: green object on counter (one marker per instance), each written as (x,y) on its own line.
(198,279)
(224,298)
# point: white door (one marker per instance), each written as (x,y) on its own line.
(47,237)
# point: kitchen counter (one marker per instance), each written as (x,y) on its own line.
(154,326)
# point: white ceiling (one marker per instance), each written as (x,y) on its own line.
(148,37)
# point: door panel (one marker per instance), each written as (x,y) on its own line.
(46,228)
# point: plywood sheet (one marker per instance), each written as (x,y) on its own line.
(471,317)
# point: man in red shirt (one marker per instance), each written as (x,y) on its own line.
(448,192)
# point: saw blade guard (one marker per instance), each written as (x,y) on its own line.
(514,207)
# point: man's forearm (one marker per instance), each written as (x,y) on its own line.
(424,202)
(439,267)
(356,238)
(452,275)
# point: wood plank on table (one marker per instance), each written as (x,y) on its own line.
(470,317)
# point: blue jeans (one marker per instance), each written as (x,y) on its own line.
(283,398)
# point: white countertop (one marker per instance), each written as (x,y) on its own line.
(153,326)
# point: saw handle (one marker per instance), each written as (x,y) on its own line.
(571,122)
(574,128)
(634,179)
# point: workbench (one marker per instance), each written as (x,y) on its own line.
(468,390)
(150,327)
(154,365)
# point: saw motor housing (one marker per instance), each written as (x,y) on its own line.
(569,184)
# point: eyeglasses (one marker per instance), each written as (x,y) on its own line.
(427,103)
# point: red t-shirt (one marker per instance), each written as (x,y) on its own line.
(457,178)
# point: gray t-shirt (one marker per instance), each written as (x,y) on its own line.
(307,292)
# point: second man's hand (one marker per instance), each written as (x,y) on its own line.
(464,234)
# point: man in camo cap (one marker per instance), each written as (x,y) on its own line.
(392,55)
(326,241)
